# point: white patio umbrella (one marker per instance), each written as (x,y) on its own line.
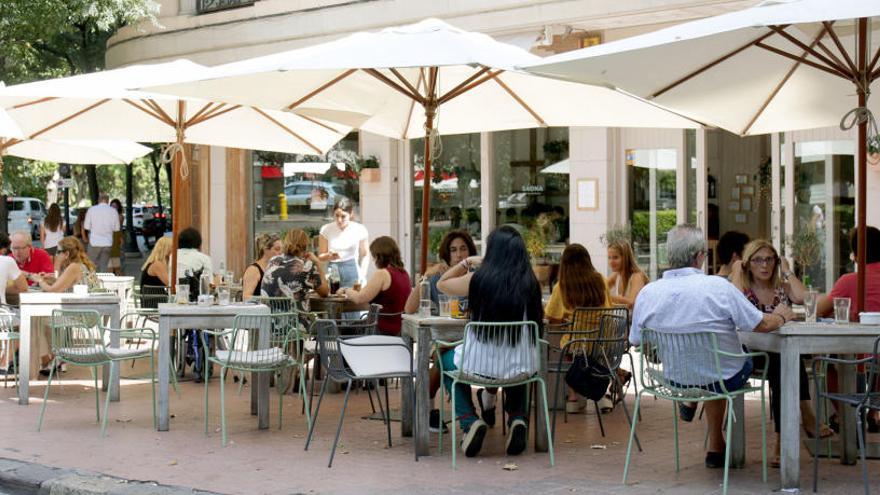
(783,65)
(98,105)
(419,80)
(560,167)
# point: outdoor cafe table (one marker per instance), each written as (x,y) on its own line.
(42,304)
(334,305)
(425,331)
(183,316)
(790,342)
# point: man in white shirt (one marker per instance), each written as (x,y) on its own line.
(102,220)
(11,277)
(687,300)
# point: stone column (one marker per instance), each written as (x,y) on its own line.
(380,201)
(591,155)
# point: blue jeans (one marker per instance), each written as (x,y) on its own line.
(736,381)
(514,397)
(348,275)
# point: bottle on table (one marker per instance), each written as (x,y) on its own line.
(424,298)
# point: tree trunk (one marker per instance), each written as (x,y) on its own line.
(92,175)
(169,176)
(131,238)
(157,177)
(4,215)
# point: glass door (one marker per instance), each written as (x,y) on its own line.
(652,204)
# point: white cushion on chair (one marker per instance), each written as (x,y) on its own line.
(385,359)
(92,354)
(261,357)
(127,353)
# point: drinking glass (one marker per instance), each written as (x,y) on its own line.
(205,284)
(445,308)
(182,291)
(810,299)
(841,309)
(223,296)
(454,310)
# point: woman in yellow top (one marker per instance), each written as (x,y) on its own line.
(579,286)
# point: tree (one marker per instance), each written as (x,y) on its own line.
(42,39)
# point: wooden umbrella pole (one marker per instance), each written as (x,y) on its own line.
(430,111)
(861,250)
(177,183)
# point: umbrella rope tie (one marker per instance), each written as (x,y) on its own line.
(170,149)
(858,116)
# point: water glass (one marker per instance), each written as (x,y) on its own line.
(841,309)
(205,284)
(182,291)
(445,307)
(223,296)
(811,298)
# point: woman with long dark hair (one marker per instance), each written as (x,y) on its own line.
(52,230)
(503,288)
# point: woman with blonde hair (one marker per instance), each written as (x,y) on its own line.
(626,279)
(295,271)
(154,272)
(767,282)
(266,246)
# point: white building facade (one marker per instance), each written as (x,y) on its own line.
(647,179)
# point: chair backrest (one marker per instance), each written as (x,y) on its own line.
(328,347)
(242,342)
(498,353)
(586,323)
(680,365)
(276,304)
(610,342)
(872,370)
(150,296)
(365,325)
(7,324)
(77,336)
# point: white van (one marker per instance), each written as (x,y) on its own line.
(25,214)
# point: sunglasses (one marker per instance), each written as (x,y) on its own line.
(60,251)
(770,260)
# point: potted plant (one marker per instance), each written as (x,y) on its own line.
(553,150)
(804,247)
(616,233)
(536,245)
(874,151)
(368,167)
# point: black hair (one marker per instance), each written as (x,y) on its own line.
(452,235)
(189,238)
(732,242)
(343,204)
(504,288)
(872,243)
(559,209)
(5,242)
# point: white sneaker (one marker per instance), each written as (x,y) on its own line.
(473,438)
(576,406)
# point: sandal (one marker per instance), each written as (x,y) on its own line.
(824,432)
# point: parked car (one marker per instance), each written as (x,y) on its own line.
(312,195)
(137,218)
(155,223)
(25,214)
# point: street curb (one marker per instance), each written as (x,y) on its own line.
(21,477)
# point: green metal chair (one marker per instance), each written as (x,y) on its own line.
(502,354)
(683,367)
(238,349)
(8,337)
(144,309)
(79,339)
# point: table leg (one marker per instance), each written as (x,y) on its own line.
(262,384)
(111,373)
(423,399)
(790,415)
(24,356)
(846,379)
(164,364)
(406,391)
(541,434)
(738,442)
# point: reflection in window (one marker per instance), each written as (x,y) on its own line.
(652,198)
(309,184)
(455,191)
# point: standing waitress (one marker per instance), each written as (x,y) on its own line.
(343,243)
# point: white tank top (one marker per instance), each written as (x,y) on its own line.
(52,238)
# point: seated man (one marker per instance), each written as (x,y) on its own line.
(687,300)
(30,260)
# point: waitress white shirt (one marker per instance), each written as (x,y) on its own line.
(9,272)
(345,242)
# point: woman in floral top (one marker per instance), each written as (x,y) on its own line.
(296,271)
(767,282)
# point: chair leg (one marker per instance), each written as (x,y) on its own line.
(543,387)
(452,430)
(817,443)
(378,398)
(860,434)
(45,394)
(763,437)
(442,408)
(316,366)
(206,407)
(416,423)
(632,433)
(97,395)
(153,390)
(278,385)
(629,419)
(675,432)
(106,402)
(304,396)
(599,416)
(730,419)
(556,396)
(388,412)
(339,426)
(222,399)
(315,416)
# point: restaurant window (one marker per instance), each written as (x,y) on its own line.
(308,184)
(532,184)
(455,191)
(652,197)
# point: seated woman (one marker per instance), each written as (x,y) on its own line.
(455,247)
(767,282)
(626,279)
(75,268)
(579,286)
(155,271)
(503,288)
(296,271)
(388,286)
(266,246)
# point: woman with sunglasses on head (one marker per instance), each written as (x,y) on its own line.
(767,282)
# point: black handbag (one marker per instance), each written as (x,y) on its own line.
(589,380)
